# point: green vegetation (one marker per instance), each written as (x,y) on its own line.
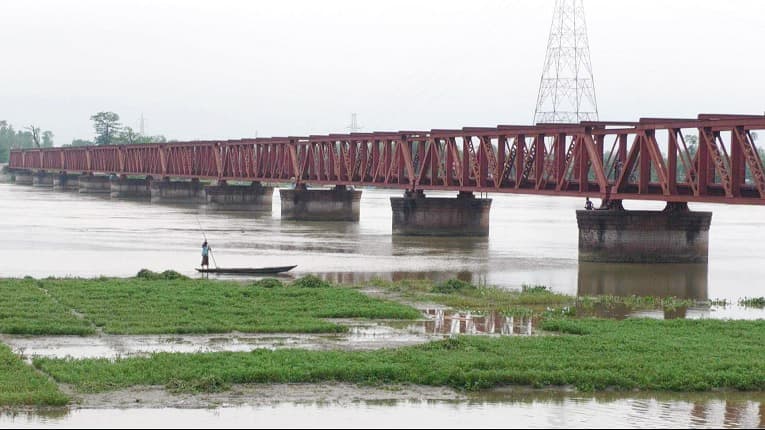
(27,309)
(311,281)
(752,302)
(673,355)
(532,299)
(452,286)
(205,384)
(602,305)
(11,138)
(719,302)
(590,354)
(154,276)
(110,131)
(462,295)
(20,384)
(268,283)
(168,302)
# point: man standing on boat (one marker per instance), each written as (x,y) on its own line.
(205,255)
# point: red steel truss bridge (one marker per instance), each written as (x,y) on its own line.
(650,159)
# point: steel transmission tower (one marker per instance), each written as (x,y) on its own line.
(567,88)
(354,126)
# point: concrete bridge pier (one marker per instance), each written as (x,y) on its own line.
(66,182)
(167,191)
(23,177)
(42,180)
(417,215)
(130,188)
(93,184)
(673,235)
(253,197)
(337,204)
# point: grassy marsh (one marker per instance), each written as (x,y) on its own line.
(591,354)
(25,308)
(20,384)
(178,305)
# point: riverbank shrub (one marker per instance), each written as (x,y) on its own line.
(268,283)
(168,275)
(752,302)
(21,384)
(26,308)
(179,306)
(452,286)
(311,281)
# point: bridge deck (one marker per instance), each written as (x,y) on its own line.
(649,159)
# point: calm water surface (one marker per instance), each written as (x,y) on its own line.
(514,411)
(533,240)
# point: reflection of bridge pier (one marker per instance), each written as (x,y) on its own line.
(684,281)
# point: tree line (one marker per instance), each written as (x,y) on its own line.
(110,131)
(27,137)
(106,125)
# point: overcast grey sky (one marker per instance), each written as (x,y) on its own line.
(224,69)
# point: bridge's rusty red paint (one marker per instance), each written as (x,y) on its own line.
(648,159)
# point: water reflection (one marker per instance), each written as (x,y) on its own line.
(396,276)
(434,245)
(683,281)
(538,409)
(441,321)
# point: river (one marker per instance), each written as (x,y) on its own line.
(533,240)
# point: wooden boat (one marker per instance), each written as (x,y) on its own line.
(247,270)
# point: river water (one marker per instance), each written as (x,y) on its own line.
(553,410)
(533,240)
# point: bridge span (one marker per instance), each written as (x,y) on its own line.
(712,158)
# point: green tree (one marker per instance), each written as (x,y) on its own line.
(47,139)
(127,136)
(81,142)
(21,139)
(152,139)
(6,139)
(35,132)
(107,126)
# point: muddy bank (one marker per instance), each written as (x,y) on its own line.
(260,395)
(115,346)
(361,336)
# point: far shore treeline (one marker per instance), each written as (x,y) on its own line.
(106,125)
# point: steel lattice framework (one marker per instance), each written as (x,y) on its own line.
(649,159)
(567,87)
